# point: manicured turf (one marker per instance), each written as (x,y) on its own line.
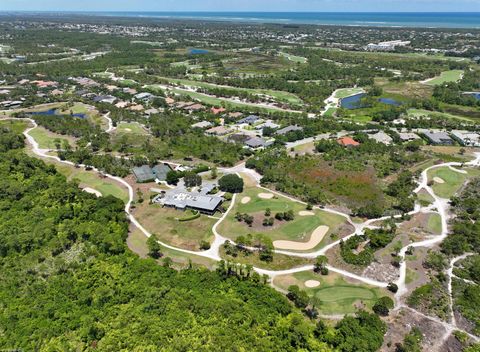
(298,229)
(447,76)
(215,101)
(294,58)
(453,180)
(337,296)
(346,92)
(434,224)
(279,95)
(435,114)
(46,139)
(130,127)
(164,223)
(17,126)
(93,180)
(330,112)
(137,242)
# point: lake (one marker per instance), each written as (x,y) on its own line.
(352,102)
(389,101)
(51,112)
(198,51)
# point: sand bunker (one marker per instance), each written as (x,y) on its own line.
(128,129)
(312,283)
(438,180)
(245,200)
(315,239)
(92,191)
(265,195)
(306,213)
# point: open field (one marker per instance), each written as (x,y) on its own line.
(279,262)
(434,224)
(300,229)
(46,139)
(409,89)
(446,76)
(210,100)
(346,92)
(276,94)
(130,127)
(137,242)
(294,58)
(17,126)
(336,294)
(163,222)
(422,113)
(452,180)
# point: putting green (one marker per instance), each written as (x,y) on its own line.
(453,180)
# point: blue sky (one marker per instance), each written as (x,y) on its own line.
(241,5)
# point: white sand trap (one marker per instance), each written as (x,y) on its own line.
(312,283)
(92,191)
(306,213)
(245,200)
(265,195)
(128,129)
(315,239)
(438,180)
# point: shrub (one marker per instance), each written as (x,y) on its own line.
(231,183)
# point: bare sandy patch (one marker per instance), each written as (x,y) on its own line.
(128,129)
(438,180)
(245,200)
(316,237)
(92,191)
(312,283)
(265,195)
(306,213)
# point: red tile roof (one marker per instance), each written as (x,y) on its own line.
(348,142)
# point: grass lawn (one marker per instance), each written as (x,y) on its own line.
(330,112)
(346,92)
(424,198)
(411,276)
(92,179)
(17,126)
(294,58)
(164,223)
(337,295)
(137,242)
(279,95)
(46,139)
(434,224)
(299,229)
(130,127)
(446,76)
(421,112)
(453,180)
(279,262)
(203,98)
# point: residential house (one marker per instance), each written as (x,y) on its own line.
(218,131)
(466,138)
(189,200)
(347,142)
(202,124)
(288,129)
(438,138)
(249,120)
(381,137)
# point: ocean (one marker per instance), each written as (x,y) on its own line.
(375,19)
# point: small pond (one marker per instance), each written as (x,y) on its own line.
(198,51)
(352,102)
(51,112)
(389,101)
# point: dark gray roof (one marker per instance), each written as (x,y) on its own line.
(255,142)
(288,129)
(160,171)
(249,119)
(438,137)
(143,173)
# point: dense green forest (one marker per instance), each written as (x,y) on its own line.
(68,282)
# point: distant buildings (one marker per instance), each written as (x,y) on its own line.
(288,129)
(249,120)
(202,124)
(217,131)
(408,136)
(386,46)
